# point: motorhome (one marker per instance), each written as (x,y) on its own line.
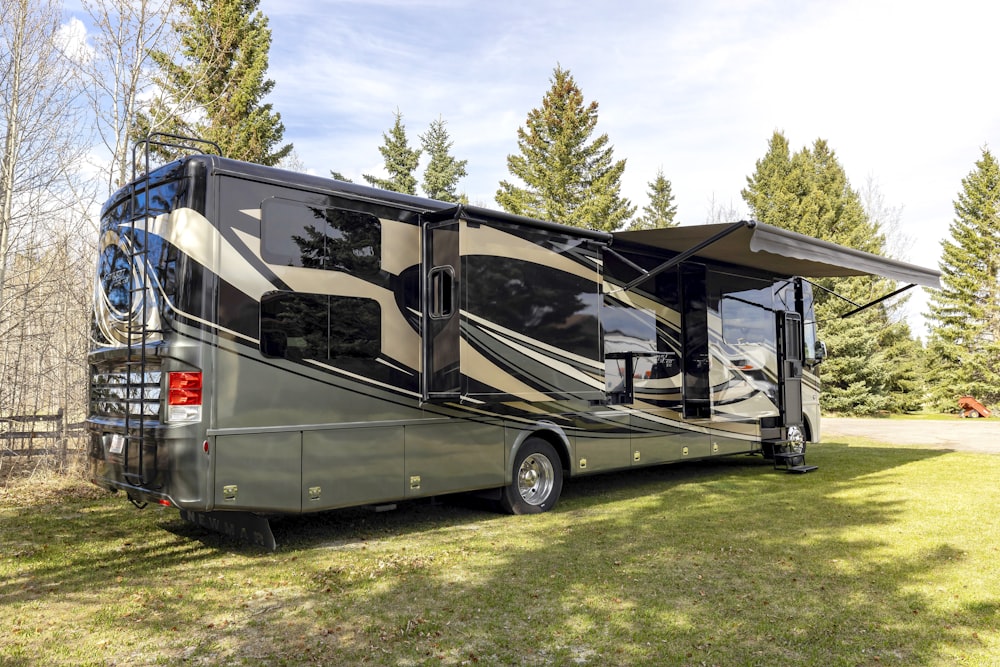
(268,342)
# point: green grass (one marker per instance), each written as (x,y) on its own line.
(887,555)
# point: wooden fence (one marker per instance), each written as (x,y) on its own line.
(39,435)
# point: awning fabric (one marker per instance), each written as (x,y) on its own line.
(779,251)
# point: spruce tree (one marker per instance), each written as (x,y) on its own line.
(809,193)
(216,89)
(400,161)
(965,313)
(568,178)
(443,171)
(771,192)
(660,211)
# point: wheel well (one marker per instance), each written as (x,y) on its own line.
(807,430)
(557,443)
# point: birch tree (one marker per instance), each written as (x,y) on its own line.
(39,122)
(117,71)
(44,256)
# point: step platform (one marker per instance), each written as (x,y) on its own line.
(792,462)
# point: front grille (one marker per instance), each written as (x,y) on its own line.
(119,392)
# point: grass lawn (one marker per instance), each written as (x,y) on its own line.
(887,555)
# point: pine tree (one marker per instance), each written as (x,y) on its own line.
(660,211)
(568,178)
(443,171)
(771,193)
(809,193)
(216,90)
(965,313)
(400,161)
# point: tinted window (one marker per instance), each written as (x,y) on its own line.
(551,306)
(317,237)
(318,326)
(747,309)
(628,328)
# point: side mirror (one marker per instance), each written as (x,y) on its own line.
(820,352)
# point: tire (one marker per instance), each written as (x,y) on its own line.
(536,481)
(796,438)
(796,435)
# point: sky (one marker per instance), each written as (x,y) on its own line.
(904,92)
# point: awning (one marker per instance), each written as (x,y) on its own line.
(779,251)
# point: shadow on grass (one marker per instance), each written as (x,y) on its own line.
(359,525)
(714,562)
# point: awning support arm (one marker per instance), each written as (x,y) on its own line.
(625,260)
(858,307)
(690,252)
(830,291)
(878,301)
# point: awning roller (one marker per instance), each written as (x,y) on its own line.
(779,251)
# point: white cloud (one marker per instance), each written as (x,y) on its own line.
(72,37)
(902,91)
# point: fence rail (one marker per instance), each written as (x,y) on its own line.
(19,433)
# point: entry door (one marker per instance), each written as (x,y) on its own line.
(442,274)
(790,353)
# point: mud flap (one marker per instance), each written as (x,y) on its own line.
(243,526)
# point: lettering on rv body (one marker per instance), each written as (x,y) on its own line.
(117,278)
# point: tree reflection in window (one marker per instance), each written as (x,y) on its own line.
(320,327)
(317,237)
(551,306)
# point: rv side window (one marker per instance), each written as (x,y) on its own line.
(318,237)
(748,315)
(551,306)
(317,326)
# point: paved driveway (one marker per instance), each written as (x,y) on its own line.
(974,435)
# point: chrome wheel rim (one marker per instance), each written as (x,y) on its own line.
(796,440)
(535,479)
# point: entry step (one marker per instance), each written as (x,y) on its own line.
(792,462)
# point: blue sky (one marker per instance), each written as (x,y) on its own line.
(905,92)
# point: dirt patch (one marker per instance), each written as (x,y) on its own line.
(973,435)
